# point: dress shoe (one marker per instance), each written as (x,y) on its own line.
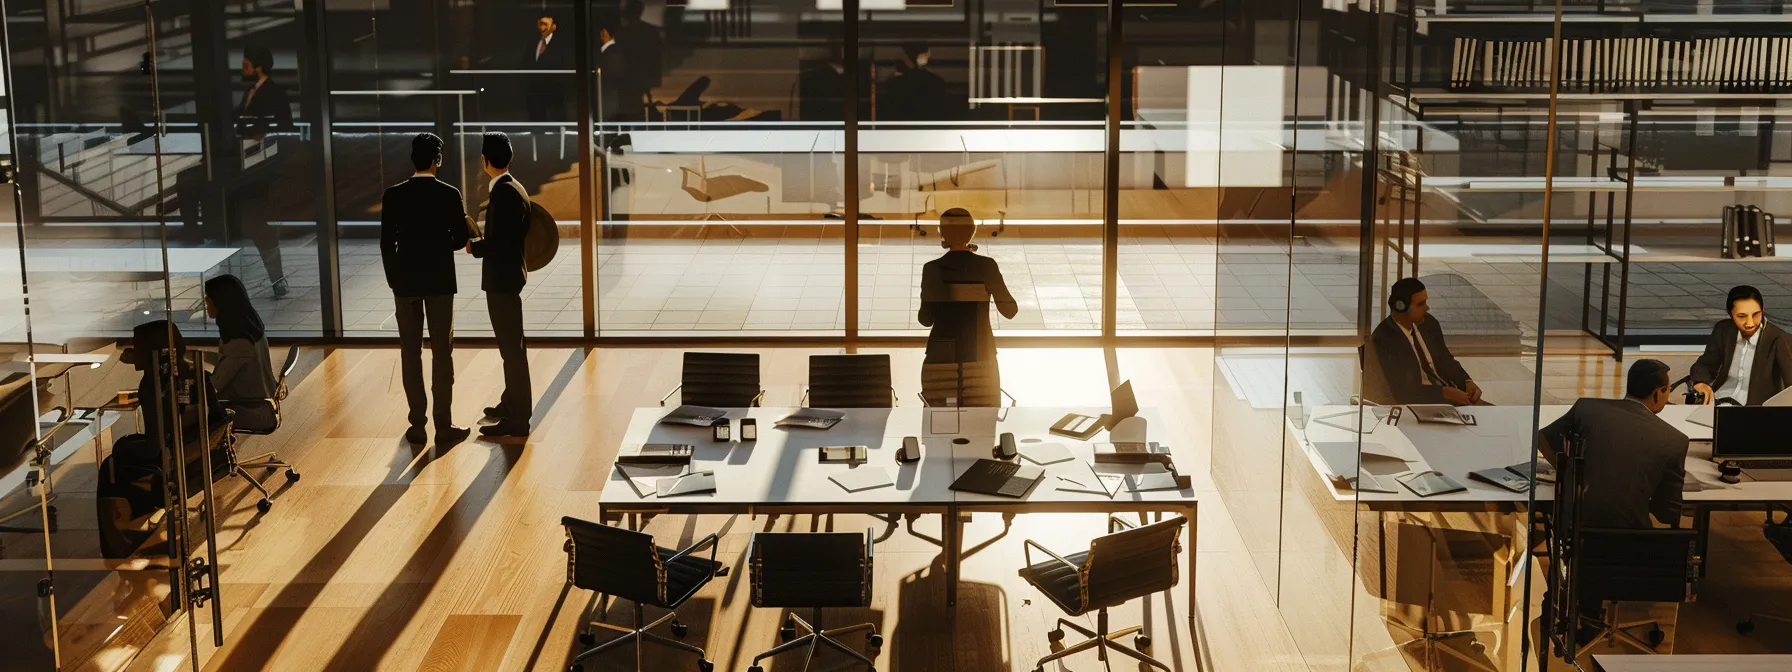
(280,288)
(504,431)
(450,435)
(416,435)
(494,412)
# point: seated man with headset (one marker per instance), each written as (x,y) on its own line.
(1746,359)
(1408,353)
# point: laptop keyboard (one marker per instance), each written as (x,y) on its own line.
(1766,464)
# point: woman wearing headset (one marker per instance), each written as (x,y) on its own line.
(956,290)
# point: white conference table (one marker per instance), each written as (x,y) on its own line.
(781,473)
(1502,437)
(1093,140)
(1699,663)
(181,260)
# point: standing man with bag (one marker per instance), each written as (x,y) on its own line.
(502,278)
(422,223)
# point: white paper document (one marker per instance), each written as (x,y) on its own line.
(1046,453)
(864,477)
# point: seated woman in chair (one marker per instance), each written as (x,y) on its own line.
(956,290)
(244,373)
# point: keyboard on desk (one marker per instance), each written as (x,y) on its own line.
(1752,465)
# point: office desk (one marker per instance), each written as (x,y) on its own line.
(1707,663)
(780,473)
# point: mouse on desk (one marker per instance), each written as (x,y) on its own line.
(1730,471)
(910,450)
(1006,448)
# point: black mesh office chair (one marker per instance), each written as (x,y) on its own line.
(628,565)
(718,379)
(812,571)
(850,381)
(1635,566)
(1779,534)
(1129,563)
(268,460)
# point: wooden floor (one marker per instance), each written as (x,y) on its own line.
(393,558)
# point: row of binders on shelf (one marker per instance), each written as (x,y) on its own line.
(1743,64)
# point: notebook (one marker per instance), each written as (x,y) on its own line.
(1546,472)
(1004,479)
(862,478)
(1503,478)
(812,418)
(1430,484)
(695,416)
(694,483)
(1444,414)
(658,453)
(1045,453)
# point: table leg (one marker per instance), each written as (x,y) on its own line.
(1701,523)
(952,533)
(1193,551)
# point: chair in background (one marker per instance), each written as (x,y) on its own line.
(706,189)
(1779,534)
(812,571)
(628,565)
(1128,563)
(268,460)
(850,381)
(718,379)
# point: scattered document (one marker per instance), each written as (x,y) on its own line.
(1704,416)
(694,483)
(1085,479)
(645,479)
(862,478)
(1046,453)
(1160,479)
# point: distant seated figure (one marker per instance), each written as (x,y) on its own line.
(1408,359)
(244,373)
(956,290)
(1746,360)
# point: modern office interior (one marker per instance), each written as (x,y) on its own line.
(1304,335)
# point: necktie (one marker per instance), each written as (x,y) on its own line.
(542,47)
(1425,360)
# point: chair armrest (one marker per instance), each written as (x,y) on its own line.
(1027,557)
(709,540)
(802,401)
(1116,524)
(675,390)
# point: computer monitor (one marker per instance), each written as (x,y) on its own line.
(1124,404)
(1752,433)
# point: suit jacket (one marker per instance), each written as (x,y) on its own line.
(1392,373)
(1772,370)
(506,224)
(961,331)
(1635,462)
(558,55)
(642,56)
(270,109)
(422,225)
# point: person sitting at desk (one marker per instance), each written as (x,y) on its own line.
(244,374)
(1407,351)
(1635,461)
(160,337)
(961,348)
(1746,359)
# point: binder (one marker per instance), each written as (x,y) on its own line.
(1727,236)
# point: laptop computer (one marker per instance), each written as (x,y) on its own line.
(1003,479)
(812,418)
(1082,427)
(695,416)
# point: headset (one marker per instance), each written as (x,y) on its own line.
(1397,304)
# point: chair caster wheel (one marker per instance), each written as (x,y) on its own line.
(1745,627)
(292,476)
(264,506)
(1656,637)
(1055,635)
(705,666)
(786,633)
(679,630)
(588,638)
(755,668)
(1141,642)
(875,641)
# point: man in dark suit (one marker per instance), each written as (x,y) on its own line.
(244,173)
(422,224)
(544,94)
(1408,353)
(1746,359)
(639,55)
(503,278)
(1635,461)
(915,93)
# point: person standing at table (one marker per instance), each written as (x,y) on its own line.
(1747,360)
(1408,352)
(502,277)
(422,224)
(544,93)
(961,346)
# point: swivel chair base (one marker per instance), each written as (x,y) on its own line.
(818,637)
(1747,625)
(1102,641)
(268,460)
(1619,631)
(640,636)
(1430,641)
